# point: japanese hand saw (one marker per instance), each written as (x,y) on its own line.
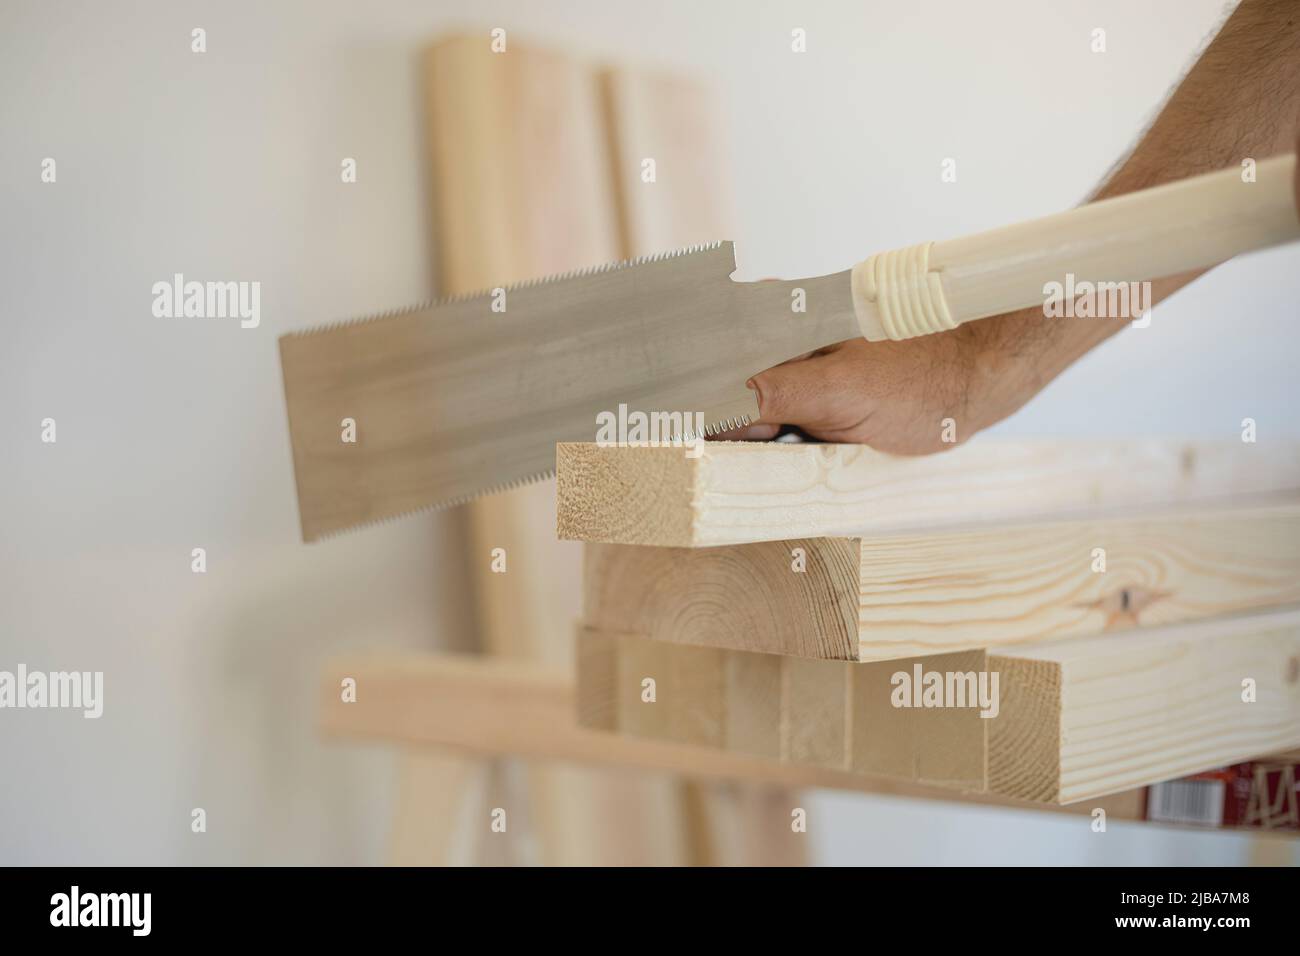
(437,404)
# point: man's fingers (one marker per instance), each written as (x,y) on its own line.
(805,393)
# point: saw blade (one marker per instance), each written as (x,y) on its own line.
(433,405)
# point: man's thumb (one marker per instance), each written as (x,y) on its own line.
(796,393)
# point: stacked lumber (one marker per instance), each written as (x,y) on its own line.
(1038,622)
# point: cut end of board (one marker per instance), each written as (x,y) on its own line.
(657,494)
(634,496)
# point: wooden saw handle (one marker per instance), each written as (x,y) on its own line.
(1139,236)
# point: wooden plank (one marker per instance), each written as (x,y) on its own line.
(481,706)
(674,121)
(908,595)
(521,184)
(520,189)
(746,824)
(1084,718)
(738,492)
(433,817)
(743,597)
(817,727)
(737,701)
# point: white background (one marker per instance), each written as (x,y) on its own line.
(172,435)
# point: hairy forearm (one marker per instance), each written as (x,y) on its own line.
(1240,100)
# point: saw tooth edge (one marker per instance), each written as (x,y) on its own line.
(361,320)
(724,425)
(739,421)
(447,505)
(525,284)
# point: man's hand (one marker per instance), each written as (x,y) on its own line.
(893,396)
(929,393)
(1240,100)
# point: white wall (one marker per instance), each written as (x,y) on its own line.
(171,434)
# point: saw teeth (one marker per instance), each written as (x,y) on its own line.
(726,425)
(525,284)
(359,320)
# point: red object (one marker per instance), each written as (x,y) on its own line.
(1260,794)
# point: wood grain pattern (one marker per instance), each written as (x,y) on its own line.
(1084,718)
(908,595)
(751,704)
(743,597)
(1029,583)
(737,492)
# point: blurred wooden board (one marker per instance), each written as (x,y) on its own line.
(521,185)
(434,817)
(520,188)
(675,122)
(906,595)
(739,492)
